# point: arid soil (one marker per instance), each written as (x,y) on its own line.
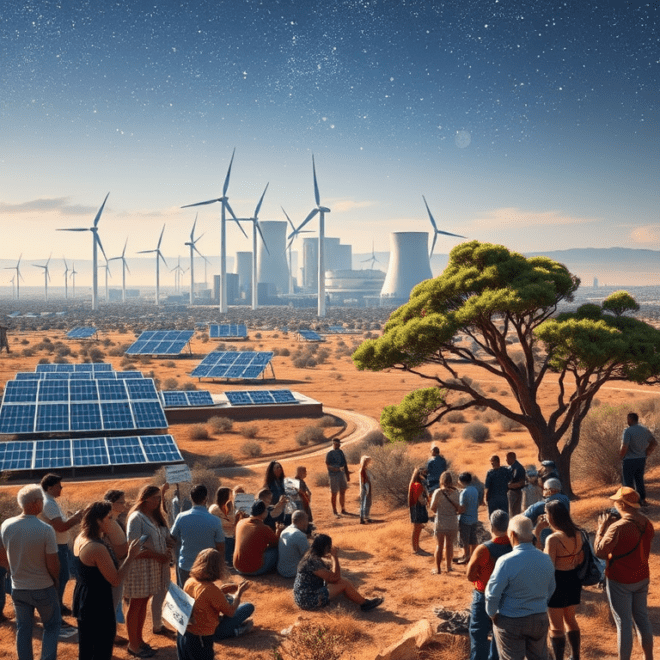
(377,557)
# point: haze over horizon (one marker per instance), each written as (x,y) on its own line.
(532,124)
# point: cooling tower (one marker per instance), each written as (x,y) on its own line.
(272,268)
(244,271)
(409,265)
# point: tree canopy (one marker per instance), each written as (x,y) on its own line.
(497,310)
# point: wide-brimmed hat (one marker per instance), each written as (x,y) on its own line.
(627,495)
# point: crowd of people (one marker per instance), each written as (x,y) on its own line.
(527,578)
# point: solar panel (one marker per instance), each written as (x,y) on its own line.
(260,397)
(112,390)
(90,452)
(160,342)
(17,419)
(310,335)
(52,417)
(232,364)
(22,391)
(126,451)
(81,333)
(178,399)
(49,454)
(200,398)
(85,417)
(161,449)
(143,389)
(117,416)
(83,390)
(149,415)
(174,399)
(92,367)
(16,455)
(226,331)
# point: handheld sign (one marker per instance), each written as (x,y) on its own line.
(178,474)
(177,608)
(243,502)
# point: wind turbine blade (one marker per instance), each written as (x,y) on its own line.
(226,185)
(435,238)
(124,250)
(198,252)
(98,215)
(98,240)
(126,264)
(263,240)
(290,243)
(307,219)
(192,233)
(159,254)
(210,201)
(198,238)
(446,233)
(288,218)
(317,197)
(233,215)
(428,210)
(76,229)
(47,262)
(256,211)
(161,237)
(146,251)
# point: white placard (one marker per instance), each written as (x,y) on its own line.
(177,608)
(243,502)
(178,474)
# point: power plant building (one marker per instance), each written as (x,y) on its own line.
(272,267)
(409,265)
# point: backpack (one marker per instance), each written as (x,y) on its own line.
(590,571)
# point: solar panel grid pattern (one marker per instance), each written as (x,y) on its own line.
(81,333)
(91,367)
(227,330)
(233,364)
(160,342)
(77,375)
(310,335)
(179,399)
(260,397)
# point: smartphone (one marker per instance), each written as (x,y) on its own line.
(143,539)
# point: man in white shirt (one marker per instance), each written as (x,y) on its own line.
(292,545)
(52,514)
(28,548)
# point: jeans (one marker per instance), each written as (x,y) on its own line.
(270,563)
(628,605)
(181,576)
(63,556)
(632,475)
(524,637)
(480,627)
(47,604)
(227,626)
(230,545)
(3,588)
(194,647)
(365,501)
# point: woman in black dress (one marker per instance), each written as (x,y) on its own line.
(92,597)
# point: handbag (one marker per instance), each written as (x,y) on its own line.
(590,571)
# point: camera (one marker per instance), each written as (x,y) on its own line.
(612,513)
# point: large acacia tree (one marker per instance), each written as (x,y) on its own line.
(503,307)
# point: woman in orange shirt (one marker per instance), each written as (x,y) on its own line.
(417,501)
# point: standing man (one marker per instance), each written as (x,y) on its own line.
(339,476)
(637,443)
(52,514)
(516,484)
(625,542)
(293,545)
(196,530)
(467,520)
(29,549)
(435,466)
(517,596)
(479,570)
(496,486)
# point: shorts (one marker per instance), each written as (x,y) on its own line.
(338,482)
(468,533)
(449,533)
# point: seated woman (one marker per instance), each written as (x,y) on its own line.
(316,584)
(211,603)
(224,509)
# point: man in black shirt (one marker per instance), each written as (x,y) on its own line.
(516,484)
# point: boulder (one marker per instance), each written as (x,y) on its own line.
(416,637)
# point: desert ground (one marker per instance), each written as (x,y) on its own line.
(378,557)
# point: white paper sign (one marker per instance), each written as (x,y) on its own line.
(243,502)
(178,474)
(177,608)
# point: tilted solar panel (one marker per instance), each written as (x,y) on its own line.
(160,342)
(233,364)
(50,454)
(17,419)
(160,449)
(23,391)
(126,451)
(201,398)
(16,456)
(260,397)
(89,452)
(175,399)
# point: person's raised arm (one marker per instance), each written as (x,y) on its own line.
(98,554)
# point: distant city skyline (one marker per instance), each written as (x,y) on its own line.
(530,124)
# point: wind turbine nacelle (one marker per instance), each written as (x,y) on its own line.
(409,265)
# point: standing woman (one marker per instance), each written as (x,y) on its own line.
(224,509)
(445,504)
(150,573)
(365,490)
(417,500)
(97,575)
(116,540)
(564,546)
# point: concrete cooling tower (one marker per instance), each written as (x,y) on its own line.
(244,271)
(409,265)
(272,268)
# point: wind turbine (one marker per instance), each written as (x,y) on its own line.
(372,258)
(13,292)
(435,228)
(96,241)
(223,234)
(46,274)
(256,229)
(292,238)
(193,248)
(124,268)
(178,272)
(159,256)
(74,272)
(66,278)
(321,210)
(19,277)
(106,267)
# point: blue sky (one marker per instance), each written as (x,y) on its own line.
(533,124)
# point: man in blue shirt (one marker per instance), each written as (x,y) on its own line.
(517,480)
(196,530)
(467,521)
(435,466)
(551,492)
(517,596)
(636,444)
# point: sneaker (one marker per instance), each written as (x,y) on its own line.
(363,521)
(344,512)
(244,628)
(371,603)
(142,652)
(337,515)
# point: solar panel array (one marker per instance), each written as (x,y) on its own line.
(77,375)
(310,335)
(72,405)
(260,397)
(228,330)
(180,399)
(88,452)
(160,342)
(233,364)
(81,333)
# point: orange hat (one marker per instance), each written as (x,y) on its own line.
(628,496)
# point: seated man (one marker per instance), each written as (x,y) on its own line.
(293,545)
(551,492)
(256,543)
(272,512)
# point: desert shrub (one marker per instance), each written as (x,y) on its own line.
(62,349)
(199,432)
(220,460)
(310,363)
(119,350)
(43,360)
(250,431)
(455,417)
(285,352)
(327,421)
(391,469)
(60,359)
(252,449)
(204,337)
(310,640)
(336,375)
(489,417)
(298,363)
(221,424)
(170,384)
(477,432)
(322,480)
(310,435)
(375,438)
(257,335)
(96,354)
(25,342)
(188,386)
(8,506)
(507,424)
(203,474)
(27,352)
(170,364)
(441,436)
(647,407)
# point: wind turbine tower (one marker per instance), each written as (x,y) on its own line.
(292,238)
(19,277)
(66,278)
(124,268)
(193,248)
(74,272)
(46,275)
(159,256)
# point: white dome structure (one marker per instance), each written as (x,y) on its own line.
(409,265)
(271,266)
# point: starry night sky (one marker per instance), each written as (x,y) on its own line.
(534,124)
